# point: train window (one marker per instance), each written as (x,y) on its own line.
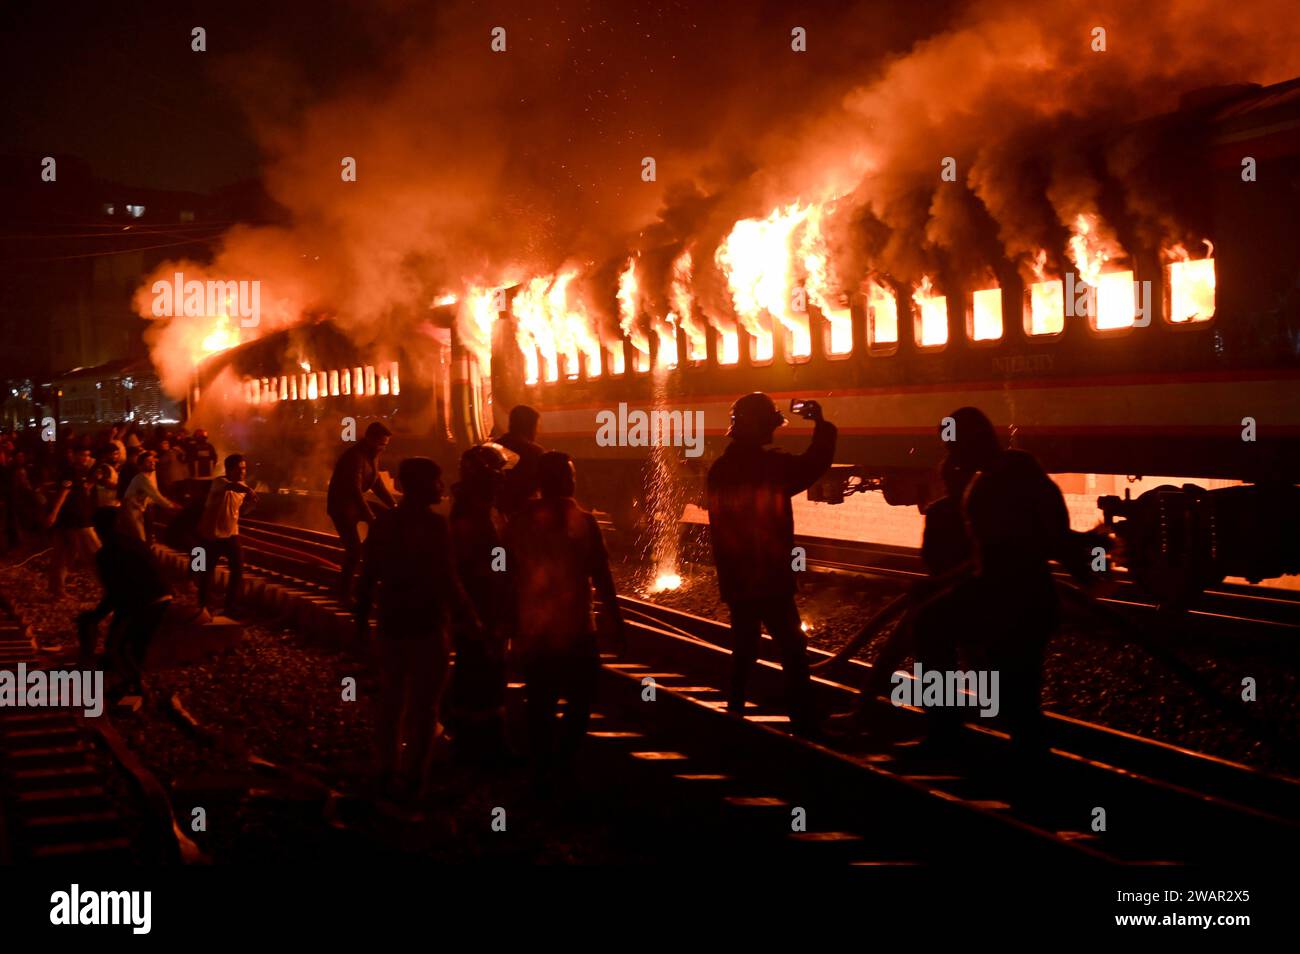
(1045,308)
(1189,291)
(930,319)
(1115,307)
(358,382)
(617,358)
(728,343)
(323,384)
(334,384)
(640,359)
(381,377)
(572,368)
(394,386)
(697,348)
(667,357)
(837,331)
(796,343)
(760,346)
(370,380)
(984,317)
(293,388)
(345,382)
(882,320)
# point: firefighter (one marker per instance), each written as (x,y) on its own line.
(356,474)
(477,697)
(751,524)
(521,441)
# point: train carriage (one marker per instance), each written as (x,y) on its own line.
(1184,366)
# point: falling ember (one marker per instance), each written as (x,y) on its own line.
(1046,300)
(664,497)
(882,313)
(986,315)
(756,258)
(1191,284)
(932,327)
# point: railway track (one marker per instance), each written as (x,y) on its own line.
(1158,803)
(1241,609)
(72,789)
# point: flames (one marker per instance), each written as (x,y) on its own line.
(932,309)
(1093,250)
(780,279)
(1046,299)
(1190,283)
(553,328)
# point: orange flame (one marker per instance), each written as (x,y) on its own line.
(1191,284)
(932,330)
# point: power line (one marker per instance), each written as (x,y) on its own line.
(121,251)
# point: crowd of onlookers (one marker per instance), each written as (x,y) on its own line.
(52,490)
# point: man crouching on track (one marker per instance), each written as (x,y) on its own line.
(556,555)
(408,558)
(751,524)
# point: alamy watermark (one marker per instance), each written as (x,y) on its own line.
(932,688)
(638,428)
(196,299)
(54,688)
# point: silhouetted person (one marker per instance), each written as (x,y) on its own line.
(1001,612)
(219,530)
(408,566)
(946,550)
(477,697)
(127,466)
(751,524)
(356,474)
(137,596)
(72,517)
(201,455)
(556,556)
(521,440)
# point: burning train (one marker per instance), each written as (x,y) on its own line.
(1141,342)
